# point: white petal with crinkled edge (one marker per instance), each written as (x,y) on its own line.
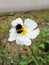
(12,35)
(30,24)
(17,21)
(23,41)
(33,34)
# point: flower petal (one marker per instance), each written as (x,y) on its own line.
(30,24)
(23,41)
(12,35)
(33,34)
(17,21)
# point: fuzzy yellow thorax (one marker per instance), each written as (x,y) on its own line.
(24,31)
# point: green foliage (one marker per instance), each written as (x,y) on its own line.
(6,59)
(23,63)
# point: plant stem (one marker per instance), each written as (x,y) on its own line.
(33,57)
(2,62)
(11,62)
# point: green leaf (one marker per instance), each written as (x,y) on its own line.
(6,59)
(15,57)
(24,57)
(23,62)
(42,46)
(42,59)
(35,61)
(47,58)
(47,41)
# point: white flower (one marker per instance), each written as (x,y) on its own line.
(23,32)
